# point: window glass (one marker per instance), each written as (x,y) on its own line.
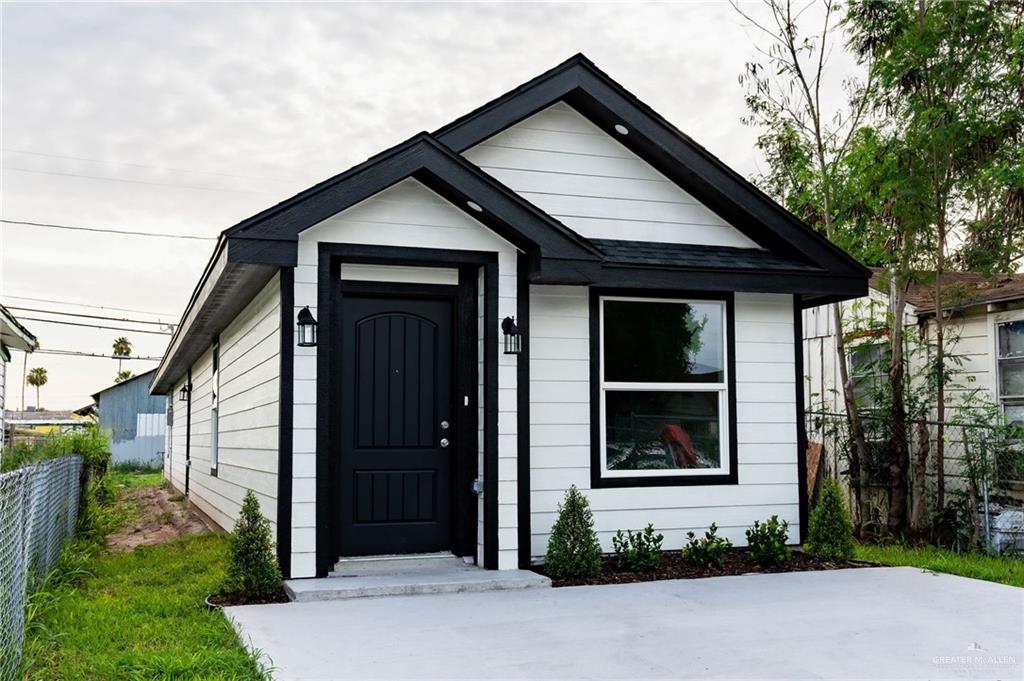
(1011,378)
(1011,340)
(663,342)
(662,430)
(869,372)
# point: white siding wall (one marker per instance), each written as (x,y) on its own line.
(248,414)
(407,214)
(570,168)
(766,427)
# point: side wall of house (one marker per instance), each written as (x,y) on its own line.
(3,393)
(247,414)
(766,427)
(407,215)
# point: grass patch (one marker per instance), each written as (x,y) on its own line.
(135,615)
(1002,569)
(140,615)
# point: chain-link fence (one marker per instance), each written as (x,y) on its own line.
(38,511)
(982,474)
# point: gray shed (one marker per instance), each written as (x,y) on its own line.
(137,420)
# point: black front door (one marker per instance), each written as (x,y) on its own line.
(397,432)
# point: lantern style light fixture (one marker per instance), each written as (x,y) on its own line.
(185,391)
(307,328)
(513,341)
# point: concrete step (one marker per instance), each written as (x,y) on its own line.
(412,583)
(360,566)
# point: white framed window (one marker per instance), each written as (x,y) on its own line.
(1010,369)
(663,377)
(215,410)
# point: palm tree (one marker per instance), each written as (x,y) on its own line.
(122,349)
(37,377)
(123,376)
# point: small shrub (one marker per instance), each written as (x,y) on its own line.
(830,531)
(640,551)
(708,550)
(767,541)
(252,566)
(573,549)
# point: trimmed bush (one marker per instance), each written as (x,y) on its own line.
(708,550)
(640,551)
(573,549)
(830,531)
(252,566)
(767,541)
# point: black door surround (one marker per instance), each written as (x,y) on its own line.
(331,291)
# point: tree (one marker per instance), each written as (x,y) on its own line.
(122,350)
(37,377)
(252,570)
(805,145)
(948,79)
(123,376)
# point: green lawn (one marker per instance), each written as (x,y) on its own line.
(140,615)
(1005,570)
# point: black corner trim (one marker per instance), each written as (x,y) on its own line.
(801,422)
(523,412)
(597,481)
(285,418)
(491,416)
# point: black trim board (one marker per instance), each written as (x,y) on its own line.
(286,404)
(188,429)
(523,412)
(597,481)
(801,420)
(330,287)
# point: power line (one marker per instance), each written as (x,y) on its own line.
(108,231)
(100,307)
(89,316)
(76,353)
(129,181)
(149,167)
(96,326)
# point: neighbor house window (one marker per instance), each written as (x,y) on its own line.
(215,409)
(663,376)
(869,372)
(1010,369)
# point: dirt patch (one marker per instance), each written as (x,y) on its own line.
(227,600)
(160,519)
(737,562)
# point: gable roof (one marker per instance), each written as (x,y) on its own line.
(582,85)
(798,260)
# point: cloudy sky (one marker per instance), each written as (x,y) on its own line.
(185,118)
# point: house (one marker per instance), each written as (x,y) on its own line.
(559,288)
(33,426)
(13,336)
(984,322)
(136,420)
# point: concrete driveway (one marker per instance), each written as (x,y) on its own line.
(875,623)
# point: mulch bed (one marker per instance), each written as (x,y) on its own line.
(228,600)
(673,566)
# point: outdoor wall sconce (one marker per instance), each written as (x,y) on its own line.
(185,391)
(307,328)
(513,341)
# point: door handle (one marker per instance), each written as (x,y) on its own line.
(444,443)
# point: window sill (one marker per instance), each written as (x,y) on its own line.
(597,481)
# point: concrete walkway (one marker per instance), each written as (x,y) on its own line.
(875,623)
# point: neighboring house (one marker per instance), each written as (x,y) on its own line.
(136,420)
(34,425)
(984,336)
(13,336)
(657,297)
